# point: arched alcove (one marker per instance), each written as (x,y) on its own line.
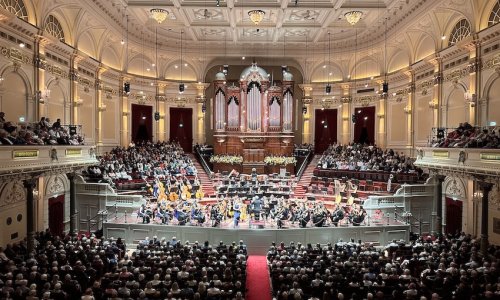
(456,108)
(55,105)
(13,97)
(494,102)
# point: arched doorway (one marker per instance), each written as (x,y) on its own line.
(454,210)
(325,129)
(56,215)
(181,127)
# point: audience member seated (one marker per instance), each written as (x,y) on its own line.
(466,136)
(446,268)
(358,157)
(40,133)
(98,269)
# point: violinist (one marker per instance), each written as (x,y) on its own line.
(337,215)
(237,212)
(304,215)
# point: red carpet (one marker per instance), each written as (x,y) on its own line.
(258,286)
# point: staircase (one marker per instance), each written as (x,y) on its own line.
(207,185)
(301,189)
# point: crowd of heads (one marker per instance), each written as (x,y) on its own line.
(94,269)
(41,133)
(144,160)
(360,157)
(445,268)
(467,136)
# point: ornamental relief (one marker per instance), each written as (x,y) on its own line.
(16,55)
(12,192)
(494,195)
(56,185)
(491,63)
(454,187)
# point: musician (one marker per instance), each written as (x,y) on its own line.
(145,213)
(199,194)
(237,212)
(337,215)
(256,205)
(197,214)
(162,214)
(215,215)
(319,215)
(303,215)
(358,216)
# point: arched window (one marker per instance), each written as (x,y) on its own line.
(460,31)
(495,14)
(54,28)
(16,7)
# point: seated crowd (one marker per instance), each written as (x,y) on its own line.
(447,268)
(467,136)
(144,160)
(359,157)
(94,269)
(41,133)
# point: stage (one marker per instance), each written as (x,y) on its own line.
(258,239)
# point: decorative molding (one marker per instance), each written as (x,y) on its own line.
(13,192)
(454,187)
(16,55)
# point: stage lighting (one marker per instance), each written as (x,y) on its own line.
(304,110)
(225,69)
(157,116)
(181,88)
(204,107)
(283,68)
(328,89)
(217,3)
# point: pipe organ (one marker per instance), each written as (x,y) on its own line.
(253,118)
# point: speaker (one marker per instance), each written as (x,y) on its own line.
(385,88)
(157,116)
(440,133)
(181,87)
(328,89)
(126,87)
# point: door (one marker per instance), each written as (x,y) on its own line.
(142,123)
(325,129)
(56,215)
(454,209)
(181,127)
(364,128)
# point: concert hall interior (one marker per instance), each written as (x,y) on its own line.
(230,149)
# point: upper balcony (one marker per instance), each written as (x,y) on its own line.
(34,159)
(472,161)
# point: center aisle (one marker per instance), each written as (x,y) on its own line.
(258,285)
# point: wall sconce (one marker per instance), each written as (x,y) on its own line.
(345,119)
(102,107)
(433,104)
(78,102)
(470,98)
(125,113)
(380,116)
(407,110)
(42,96)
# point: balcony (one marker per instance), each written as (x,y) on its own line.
(483,162)
(23,160)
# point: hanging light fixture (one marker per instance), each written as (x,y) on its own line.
(159,14)
(353,16)
(256,16)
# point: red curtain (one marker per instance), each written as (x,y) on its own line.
(325,129)
(142,123)
(364,129)
(454,210)
(56,215)
(181,127)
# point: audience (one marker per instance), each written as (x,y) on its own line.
(144,160)
(358,157)
(41,133)
(94,269)
(466,136)
(446,268)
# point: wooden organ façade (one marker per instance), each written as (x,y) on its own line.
(253,120)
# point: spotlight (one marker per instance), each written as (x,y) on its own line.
(283,68)
(225,69)
(304,110)
(122,42)
(328,89)
(296,2)
(157,116)
(181,88)
(217,3)
(204,107)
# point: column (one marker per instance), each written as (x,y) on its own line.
(125,113)
(100,106)
(486,189)
(438,91)
(347,126)
(72,204)
(30,184)
(439,204)
(306,104)
(199,114)
(75,102)
(381,116)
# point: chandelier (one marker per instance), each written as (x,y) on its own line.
(353,17)
(256,16)
(159,14)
